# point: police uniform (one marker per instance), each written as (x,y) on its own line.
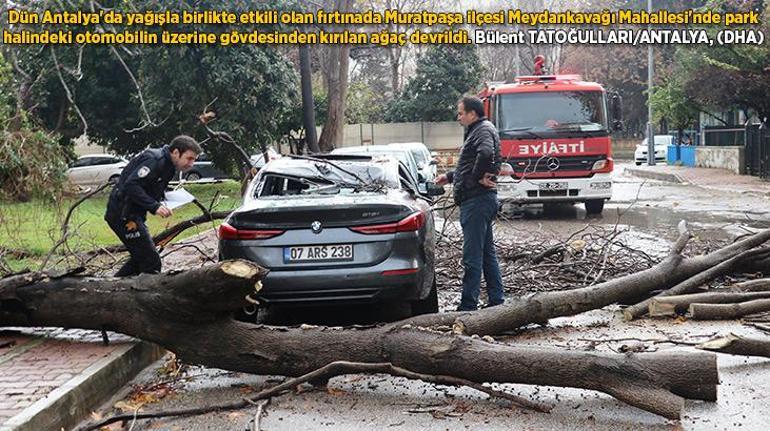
(140,189)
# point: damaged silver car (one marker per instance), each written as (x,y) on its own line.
(338,230)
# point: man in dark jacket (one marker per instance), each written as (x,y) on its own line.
(140,189)
(474,182)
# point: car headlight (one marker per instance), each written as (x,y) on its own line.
(599,164)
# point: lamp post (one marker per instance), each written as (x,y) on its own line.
(650,131)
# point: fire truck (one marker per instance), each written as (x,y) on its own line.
(555,134)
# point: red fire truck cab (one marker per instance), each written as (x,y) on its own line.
(555,133)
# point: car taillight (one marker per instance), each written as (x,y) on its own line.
(602,165)
(228,232)
(412,223)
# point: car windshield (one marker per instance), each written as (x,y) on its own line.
(551,113)
(337,177)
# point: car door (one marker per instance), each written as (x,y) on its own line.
(81,171)
(101,170)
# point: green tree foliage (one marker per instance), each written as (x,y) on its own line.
(444,74)
(138,96)
(670,102)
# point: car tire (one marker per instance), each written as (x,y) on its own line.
(638,163)
(594,206)
(192,176)
(429,304)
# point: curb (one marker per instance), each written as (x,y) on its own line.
(654,175)
(72,402)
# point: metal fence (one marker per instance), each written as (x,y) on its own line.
(758,150)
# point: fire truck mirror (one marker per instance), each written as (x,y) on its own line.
(616,111)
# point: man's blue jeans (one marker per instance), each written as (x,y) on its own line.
(476,217)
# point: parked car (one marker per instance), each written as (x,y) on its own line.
(661,147)
(341,231)
(203,168)
(401,154)
(425,161)
(258,160)
(95,169)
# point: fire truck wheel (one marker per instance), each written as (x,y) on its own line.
(595,206)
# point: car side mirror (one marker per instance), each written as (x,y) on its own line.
(432,189)
(433,162)
(616,111)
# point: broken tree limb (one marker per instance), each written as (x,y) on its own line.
(737,345)
(540,307)
(190,313)
(691,284)
(678,304)
(727,311)
(163,238)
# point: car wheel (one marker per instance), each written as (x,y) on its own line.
(594,206)
(638,163)
(114,179)
(192,176)
(427,305)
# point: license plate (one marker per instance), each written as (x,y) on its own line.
(552,186)
(318,253)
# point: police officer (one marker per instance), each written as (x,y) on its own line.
(140,189)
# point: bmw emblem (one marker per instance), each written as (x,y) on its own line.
(552,163)
(316,227)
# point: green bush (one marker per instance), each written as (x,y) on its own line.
(32,164)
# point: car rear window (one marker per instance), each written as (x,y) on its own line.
(324,178)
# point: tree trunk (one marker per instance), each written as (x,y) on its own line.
(190,313)
(337,87)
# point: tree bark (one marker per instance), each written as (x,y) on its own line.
(673,305)
(728,311)
(690,285)
(337,87)
(736,345)
(190,313)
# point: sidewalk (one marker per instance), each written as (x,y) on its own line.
(716,179)
(53,378)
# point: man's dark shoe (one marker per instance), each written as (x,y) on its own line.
(492,305)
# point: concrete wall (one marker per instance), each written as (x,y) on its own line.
(731,158)
(436,136)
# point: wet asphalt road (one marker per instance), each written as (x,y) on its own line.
(649,211)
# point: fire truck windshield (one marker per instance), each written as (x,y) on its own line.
(551,114)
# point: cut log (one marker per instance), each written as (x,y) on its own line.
(728,311)
(736,345)
(691,284)
(759,285)
(678,304)
(190,313)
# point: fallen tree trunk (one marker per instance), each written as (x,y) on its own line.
(736,345)
(727,311)
(677,305)
(189,313)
